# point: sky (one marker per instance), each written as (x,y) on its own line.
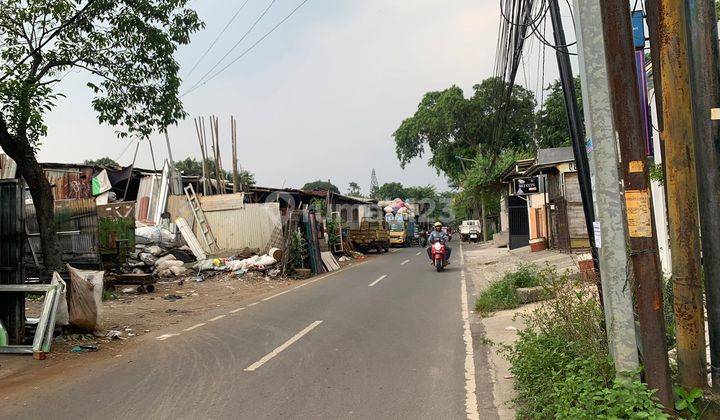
(317,99)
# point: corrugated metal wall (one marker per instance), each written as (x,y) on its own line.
(70,215)
(235,228)
(70,183)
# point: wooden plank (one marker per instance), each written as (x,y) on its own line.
(190,239)
(234,201)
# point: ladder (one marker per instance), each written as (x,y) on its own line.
(201,220)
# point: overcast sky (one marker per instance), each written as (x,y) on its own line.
(320,97)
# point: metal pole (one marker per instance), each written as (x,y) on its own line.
(681,185)
(619,317)
(576,131)
(705,79)
(628,118)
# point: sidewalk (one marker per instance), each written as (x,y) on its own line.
(485,264)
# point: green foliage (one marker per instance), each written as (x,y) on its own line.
(193,167)
(552,122)
(354,189)
(298,248)
(391,191)
(450,125)
(501,294)
(561,363)
(104,161)
(669,313)
(687,401)
(319,205)
(320,185)
(333,226)
(125,46)
(656,173)
(108,295)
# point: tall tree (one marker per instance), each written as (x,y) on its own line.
(103,161)
(125,46)
(391,191)
(321,185)
(354,189)
(450,125)
(552,122)
(193,167)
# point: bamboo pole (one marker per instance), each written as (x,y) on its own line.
(233,137)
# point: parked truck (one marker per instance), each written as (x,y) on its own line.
(402,230)
(371,235)
(470,231)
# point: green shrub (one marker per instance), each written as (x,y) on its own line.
(501,294)
(561,365)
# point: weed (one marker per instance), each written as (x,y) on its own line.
(501,294)
(108,295)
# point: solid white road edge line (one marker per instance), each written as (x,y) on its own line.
(234,311)
(216,318)
(282,347)
(253,304)
(378,280)
(471,405)
(194,326)
(404,262)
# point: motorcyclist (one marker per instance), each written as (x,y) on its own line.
(438,235)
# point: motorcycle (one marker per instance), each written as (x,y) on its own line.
(439,255)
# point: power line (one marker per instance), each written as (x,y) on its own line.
(244,53)
(201,81)
(212,44)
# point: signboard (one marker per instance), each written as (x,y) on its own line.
(638,25)
(639,218)
(527,186)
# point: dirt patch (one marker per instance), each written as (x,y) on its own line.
(136,315)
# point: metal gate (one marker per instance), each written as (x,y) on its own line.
(12,245)
(519,223)
(559,225)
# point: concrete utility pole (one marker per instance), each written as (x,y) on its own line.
(576,130)
(619,318)
(678,135)
(705,78)
(647,275)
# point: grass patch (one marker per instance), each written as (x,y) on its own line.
(562,366)
(501,294)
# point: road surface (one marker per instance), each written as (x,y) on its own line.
(385,339)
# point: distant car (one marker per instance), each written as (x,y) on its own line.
(470,231)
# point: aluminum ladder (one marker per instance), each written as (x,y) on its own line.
(201,220)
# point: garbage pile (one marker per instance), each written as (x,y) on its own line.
(238,265)
(157,252)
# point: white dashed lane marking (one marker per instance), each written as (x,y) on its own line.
(377,281)
(404,262)
(282,347)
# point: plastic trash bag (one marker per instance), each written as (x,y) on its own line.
(85,298)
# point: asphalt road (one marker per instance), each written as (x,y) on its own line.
(383,339)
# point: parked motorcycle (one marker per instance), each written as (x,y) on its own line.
(439,255)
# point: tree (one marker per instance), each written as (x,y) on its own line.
(391,191)
(103,161)
(126,47)
(354,189)
(321,185)
(552,122)
(450,125)
(193,167)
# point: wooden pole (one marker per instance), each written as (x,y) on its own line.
(202,153)
(233,136)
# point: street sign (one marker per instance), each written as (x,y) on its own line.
(638,26)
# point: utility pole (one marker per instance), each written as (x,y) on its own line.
(705,79)
(233,137)
(576,130)
(681,182)
(619,317)
(628,118)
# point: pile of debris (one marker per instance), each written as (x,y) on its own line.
(243,262)
(157,253)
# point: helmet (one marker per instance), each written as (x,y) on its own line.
(437,224)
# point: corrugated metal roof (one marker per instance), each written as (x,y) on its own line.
(554,155)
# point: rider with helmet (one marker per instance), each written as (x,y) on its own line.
(438,235)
